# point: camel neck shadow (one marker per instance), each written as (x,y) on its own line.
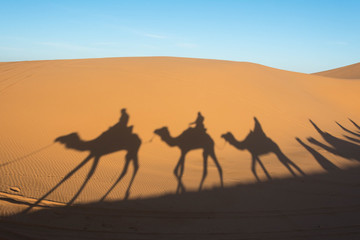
(258,144)
(117,138)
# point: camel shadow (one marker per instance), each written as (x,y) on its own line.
(347,130)
(357,134)
(338,146)
(258,144)
(191,139)
(356,125)
(323,161)
(116,138)
(352,139)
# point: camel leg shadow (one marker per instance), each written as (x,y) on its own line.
(323,162)
(256,159)
(263,168)
(180,167)
(353,139)
(72,172)
(213,156)
(339,147)
(288,163)
(91,172)
(205,156)
(347,130)
(217,164)
(128,158)
(253,168)
(355,124)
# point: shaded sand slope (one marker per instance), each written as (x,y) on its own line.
(350,72)
(42,100)
(319,206)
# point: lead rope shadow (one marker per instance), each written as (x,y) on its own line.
(116,138)
(257,143)
(191,139)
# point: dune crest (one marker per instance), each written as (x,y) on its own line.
(348,72)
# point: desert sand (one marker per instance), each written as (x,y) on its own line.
(349,72)
(308,179)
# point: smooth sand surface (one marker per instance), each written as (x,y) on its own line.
(42,100)
(349,72)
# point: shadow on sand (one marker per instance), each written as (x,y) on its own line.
(316,206)
(191,139)
(337,146)
(258,144)
(320,206)
(325,163)
(116,138)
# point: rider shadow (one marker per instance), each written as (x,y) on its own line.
(188,140)
(116,138)
(338,146)
(258,144)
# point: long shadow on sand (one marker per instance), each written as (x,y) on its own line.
(118,137)
(337,146)
(320,206)
(347,130)
(190,139)
(355,124)
(258,144)
(356,137)
(325,163)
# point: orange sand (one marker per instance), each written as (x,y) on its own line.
(42,100)
(349,72)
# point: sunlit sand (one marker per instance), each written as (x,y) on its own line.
(300,161)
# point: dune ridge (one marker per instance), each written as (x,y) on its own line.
(347,72)
(41,101)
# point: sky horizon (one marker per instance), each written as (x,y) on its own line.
(301,36)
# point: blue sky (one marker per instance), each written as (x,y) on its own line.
(296,35)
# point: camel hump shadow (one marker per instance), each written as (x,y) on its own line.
(116,138)
(257,143)
(191,139)
(194,138)
(108,142)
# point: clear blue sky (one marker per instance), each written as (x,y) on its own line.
(297,35)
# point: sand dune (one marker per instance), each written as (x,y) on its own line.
(43,100)
(348,72)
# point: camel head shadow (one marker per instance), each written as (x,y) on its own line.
(257,143)
(117,138)
(190,139)
(111,141)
